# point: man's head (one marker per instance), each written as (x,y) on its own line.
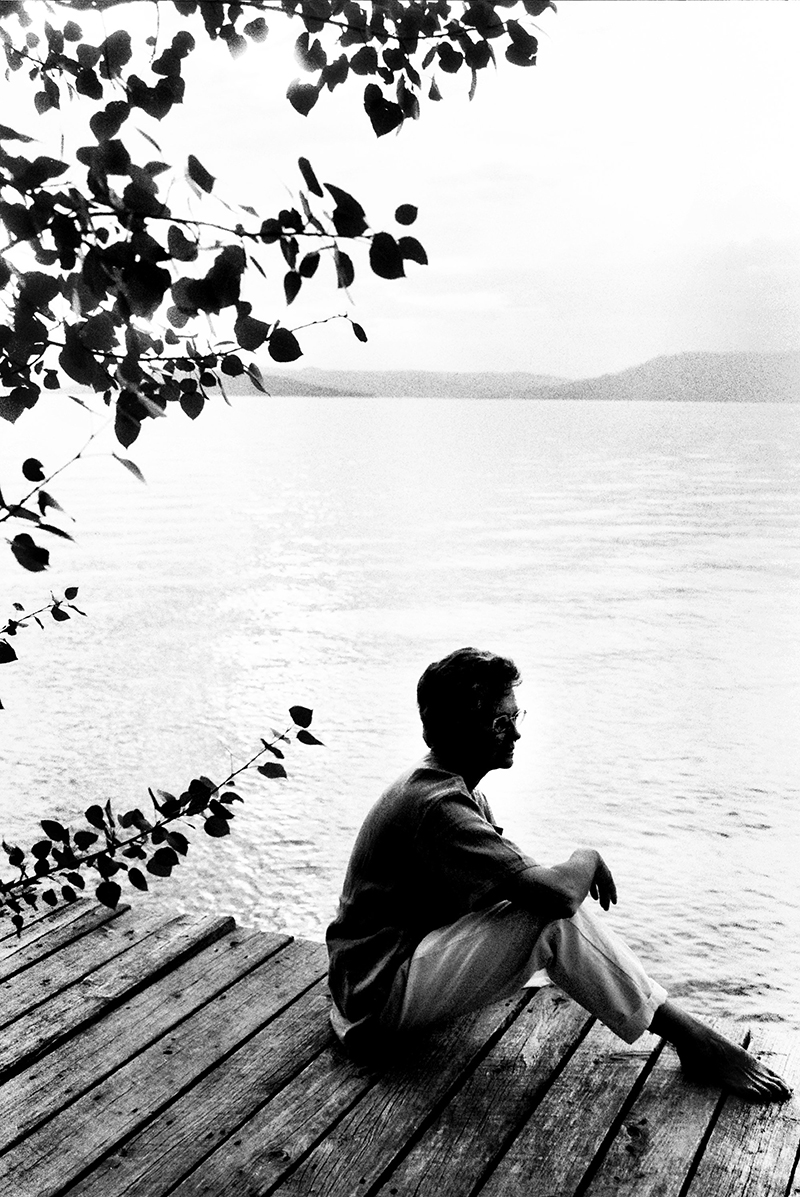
(467,707)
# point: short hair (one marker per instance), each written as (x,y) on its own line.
(455,695)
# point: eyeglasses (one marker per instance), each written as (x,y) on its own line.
(503,722)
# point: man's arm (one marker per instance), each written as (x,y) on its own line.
(559,890)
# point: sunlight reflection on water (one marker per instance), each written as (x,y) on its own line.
(324,551)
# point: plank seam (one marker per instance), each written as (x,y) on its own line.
(181,1092)
(447,1096)
(703,1144)
(611,1134)
(790,1186)
(712,1122)
(124,948)
(114,1003)
(103,1076)
(10,957)
(295,1164)
(44,916)
(541,1093)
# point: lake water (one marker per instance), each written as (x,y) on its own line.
(639,561)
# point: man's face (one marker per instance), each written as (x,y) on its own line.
(503,733)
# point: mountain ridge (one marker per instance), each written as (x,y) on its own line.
(692,376)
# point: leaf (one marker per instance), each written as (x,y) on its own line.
(305,737)
(85,839)
(384,115)
(76,879)
(193,404)
(137,878)
(271,769)
(348,215)
(232,365)
(301,716)
(49,897)
(58,613)
(106,865)
(411,250)
(68,893)
(162,862)
(257,29)
(216,827)
(345,271)
(231,797)
(45,500)
(115,52)
(291,285)
(198,174)
(7,653)
(311,181)
(180,246)
(178,842)
(53,829)
(385,256)
(30,555)
(7,134)
(250,333)
(54,531)
(32,470)
(365,61)
(283,346)
(309,264)
(107,123)
(358,330)
(108,893)
(302,96)
(94,815)
(131,466)
(406,214)
(71,592)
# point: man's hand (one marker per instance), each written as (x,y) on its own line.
(602,887)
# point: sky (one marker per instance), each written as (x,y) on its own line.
(636,193)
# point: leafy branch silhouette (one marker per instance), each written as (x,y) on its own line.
(57,867)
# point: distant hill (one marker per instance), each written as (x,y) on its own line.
(398,384)
(682,377)
(692,378)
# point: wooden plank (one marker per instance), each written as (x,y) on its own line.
(149,951)
(74,962)
(655,1148)
(278,1135)
(355,1153)
(164,1151)
(552,1151)
(40,922)
(460,1147)
(48,938)
(753,1149)
(61,1150)
(49,920)
(95,1051)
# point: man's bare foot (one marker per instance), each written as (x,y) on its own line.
(710,1059)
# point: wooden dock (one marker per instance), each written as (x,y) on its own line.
(151,1056)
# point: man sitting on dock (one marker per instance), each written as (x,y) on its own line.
(441,914)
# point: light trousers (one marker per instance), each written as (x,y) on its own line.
(492,954)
